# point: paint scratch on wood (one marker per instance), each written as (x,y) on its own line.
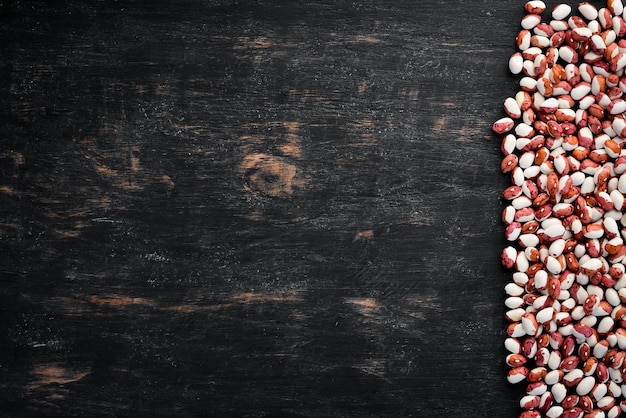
(367,39)
(303,95)
(365,305)
(67,233)
(250,297)
(428,301)
(364,129)
(439,124)
(167,181)
(292,147)
(54,373)
(118,301)
(8,190)
(183,308)
(259,42)
(130,176)
(270,174)
(367,235)
(18,161)
(373,367)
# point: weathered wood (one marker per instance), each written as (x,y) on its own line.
(258,208)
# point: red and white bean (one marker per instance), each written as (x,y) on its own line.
(563,138)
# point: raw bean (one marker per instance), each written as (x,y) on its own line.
(588,10)
(517,374)
(567,53)
(561,11)
(529,402)
(553,377)
(615,6)
(559,391)
(560,26)
(581,34)
(537,388)
(530,21)
(562,140)
(617,106)
(554,412)
(503,125)
(575,412)
(580,90)
(509,163)
(512,108)
(570,379)
(535,7)
(571,401)
(530,414)
(599,391)
(523,39)
(585,385)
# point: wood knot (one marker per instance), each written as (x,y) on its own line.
(269,174)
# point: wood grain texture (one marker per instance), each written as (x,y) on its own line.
(253,208)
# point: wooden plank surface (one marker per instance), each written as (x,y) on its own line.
(253,208)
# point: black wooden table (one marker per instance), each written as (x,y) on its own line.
(253,208)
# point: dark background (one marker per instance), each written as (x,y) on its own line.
(253,208)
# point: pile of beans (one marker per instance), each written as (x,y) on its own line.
(563,141)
